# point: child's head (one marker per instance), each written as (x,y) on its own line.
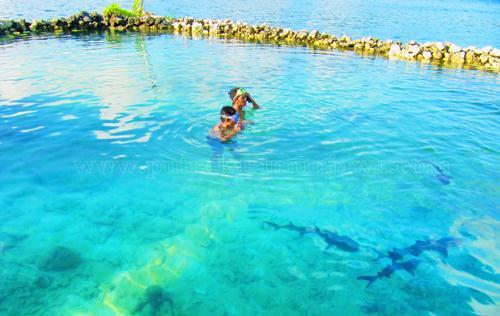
(228,116)
(232,93)
(238,97)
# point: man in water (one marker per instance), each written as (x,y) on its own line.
(239,98)
(228,125)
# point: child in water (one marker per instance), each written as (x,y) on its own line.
(228,125)
(239,98)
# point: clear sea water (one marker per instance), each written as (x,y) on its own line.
(103,151)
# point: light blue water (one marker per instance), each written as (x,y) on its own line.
(103,151)
(464,22)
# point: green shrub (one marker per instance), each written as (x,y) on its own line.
(115,9)
(138,7)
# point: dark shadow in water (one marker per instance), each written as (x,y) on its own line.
(217,162)
(472,265)
(155,302)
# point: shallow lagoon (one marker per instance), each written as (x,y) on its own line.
(103,151)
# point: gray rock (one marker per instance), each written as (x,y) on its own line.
(458,57)
(197,27)
(454,49)
(484,58)
(345,38)
(440,46)
(414,49)
(484,50)
(495,52)
(302,35)
(437,53)
(177,26)
(394,50)
(313,34)
(427,55)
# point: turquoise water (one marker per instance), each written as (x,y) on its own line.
(109,185)
(464,22)
(104,152)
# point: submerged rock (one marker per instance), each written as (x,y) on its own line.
(9,241)
(16,279)
(61,259)
(43,282)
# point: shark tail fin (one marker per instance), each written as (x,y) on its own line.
(380,255)
(369,278)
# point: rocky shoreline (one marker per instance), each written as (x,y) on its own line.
(441,53)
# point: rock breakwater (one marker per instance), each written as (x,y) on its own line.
(442,53)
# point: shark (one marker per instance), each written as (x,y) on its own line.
(409,266)
(333,239)
(441,176)
(438,245)
(302,230)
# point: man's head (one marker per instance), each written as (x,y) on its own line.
(228,116)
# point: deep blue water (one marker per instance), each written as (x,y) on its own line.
(103,151)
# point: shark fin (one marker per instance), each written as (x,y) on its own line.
(410,266)
(369,278)
(326,248)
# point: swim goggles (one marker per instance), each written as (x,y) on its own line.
(235,117)
(241,91)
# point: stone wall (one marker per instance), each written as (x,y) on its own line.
(448,54)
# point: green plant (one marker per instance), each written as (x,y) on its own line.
(138,7)
(115,9)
